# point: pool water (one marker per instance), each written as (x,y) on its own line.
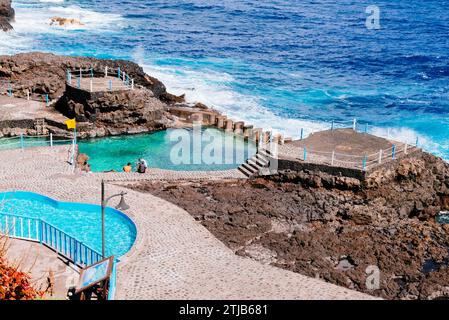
(207,149)
(81,221)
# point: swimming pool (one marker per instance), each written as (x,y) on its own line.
(207,149)
(79,220)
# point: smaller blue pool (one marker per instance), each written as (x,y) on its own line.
(81,221)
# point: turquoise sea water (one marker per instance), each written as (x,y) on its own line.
(279,64)
(183,149)
(81,221)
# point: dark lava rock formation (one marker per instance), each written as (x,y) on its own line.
(333,227)
(108,113)
(6,15)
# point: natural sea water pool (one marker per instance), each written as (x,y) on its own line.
(81,221)
(208,149)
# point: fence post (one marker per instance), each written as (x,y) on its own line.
(28,94)
(380,156)
(47,101)
(364,163)
(21,141)
(417,140)
(81,73)
(305,154)
(405,148)
(106,71)
(10,90)
(302,133)
(333,157)
(91,72)
(118,72)
(393,152)
(110,85)
(79,83)
(124,76)
(132,84)
(354,124)
(41,231)
(51,139)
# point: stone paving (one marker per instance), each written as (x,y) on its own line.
(174,257)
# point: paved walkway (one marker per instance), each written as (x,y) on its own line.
(174,256)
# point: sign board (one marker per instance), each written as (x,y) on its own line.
(94,274)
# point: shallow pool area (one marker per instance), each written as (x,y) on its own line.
(79,220)
(207,149)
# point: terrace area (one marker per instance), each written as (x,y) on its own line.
(174,257)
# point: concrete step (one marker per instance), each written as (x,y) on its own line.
(244,171)
(254,164)
(249,168)
(263,160)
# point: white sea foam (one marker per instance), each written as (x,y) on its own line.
(31,20)
(51,1)
(11,42)
(214,90)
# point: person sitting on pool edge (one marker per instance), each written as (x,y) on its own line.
(142,166)
(127,168)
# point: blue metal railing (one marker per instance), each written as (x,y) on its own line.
(37,230)
(34,229)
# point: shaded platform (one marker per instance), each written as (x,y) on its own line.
(42,264)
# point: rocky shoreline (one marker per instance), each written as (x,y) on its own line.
(7,15)
(315,225)
(144,109)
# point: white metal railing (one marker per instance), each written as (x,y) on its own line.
(11,88)
(87,79)
(362,127)
(362,162)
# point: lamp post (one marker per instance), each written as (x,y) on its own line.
(121,206)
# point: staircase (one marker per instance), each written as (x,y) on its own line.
(257,165)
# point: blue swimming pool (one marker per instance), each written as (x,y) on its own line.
(79,220)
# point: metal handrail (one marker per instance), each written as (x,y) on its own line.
(38,230)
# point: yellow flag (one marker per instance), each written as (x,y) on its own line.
(71,124)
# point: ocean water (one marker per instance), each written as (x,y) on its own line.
(282,65)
